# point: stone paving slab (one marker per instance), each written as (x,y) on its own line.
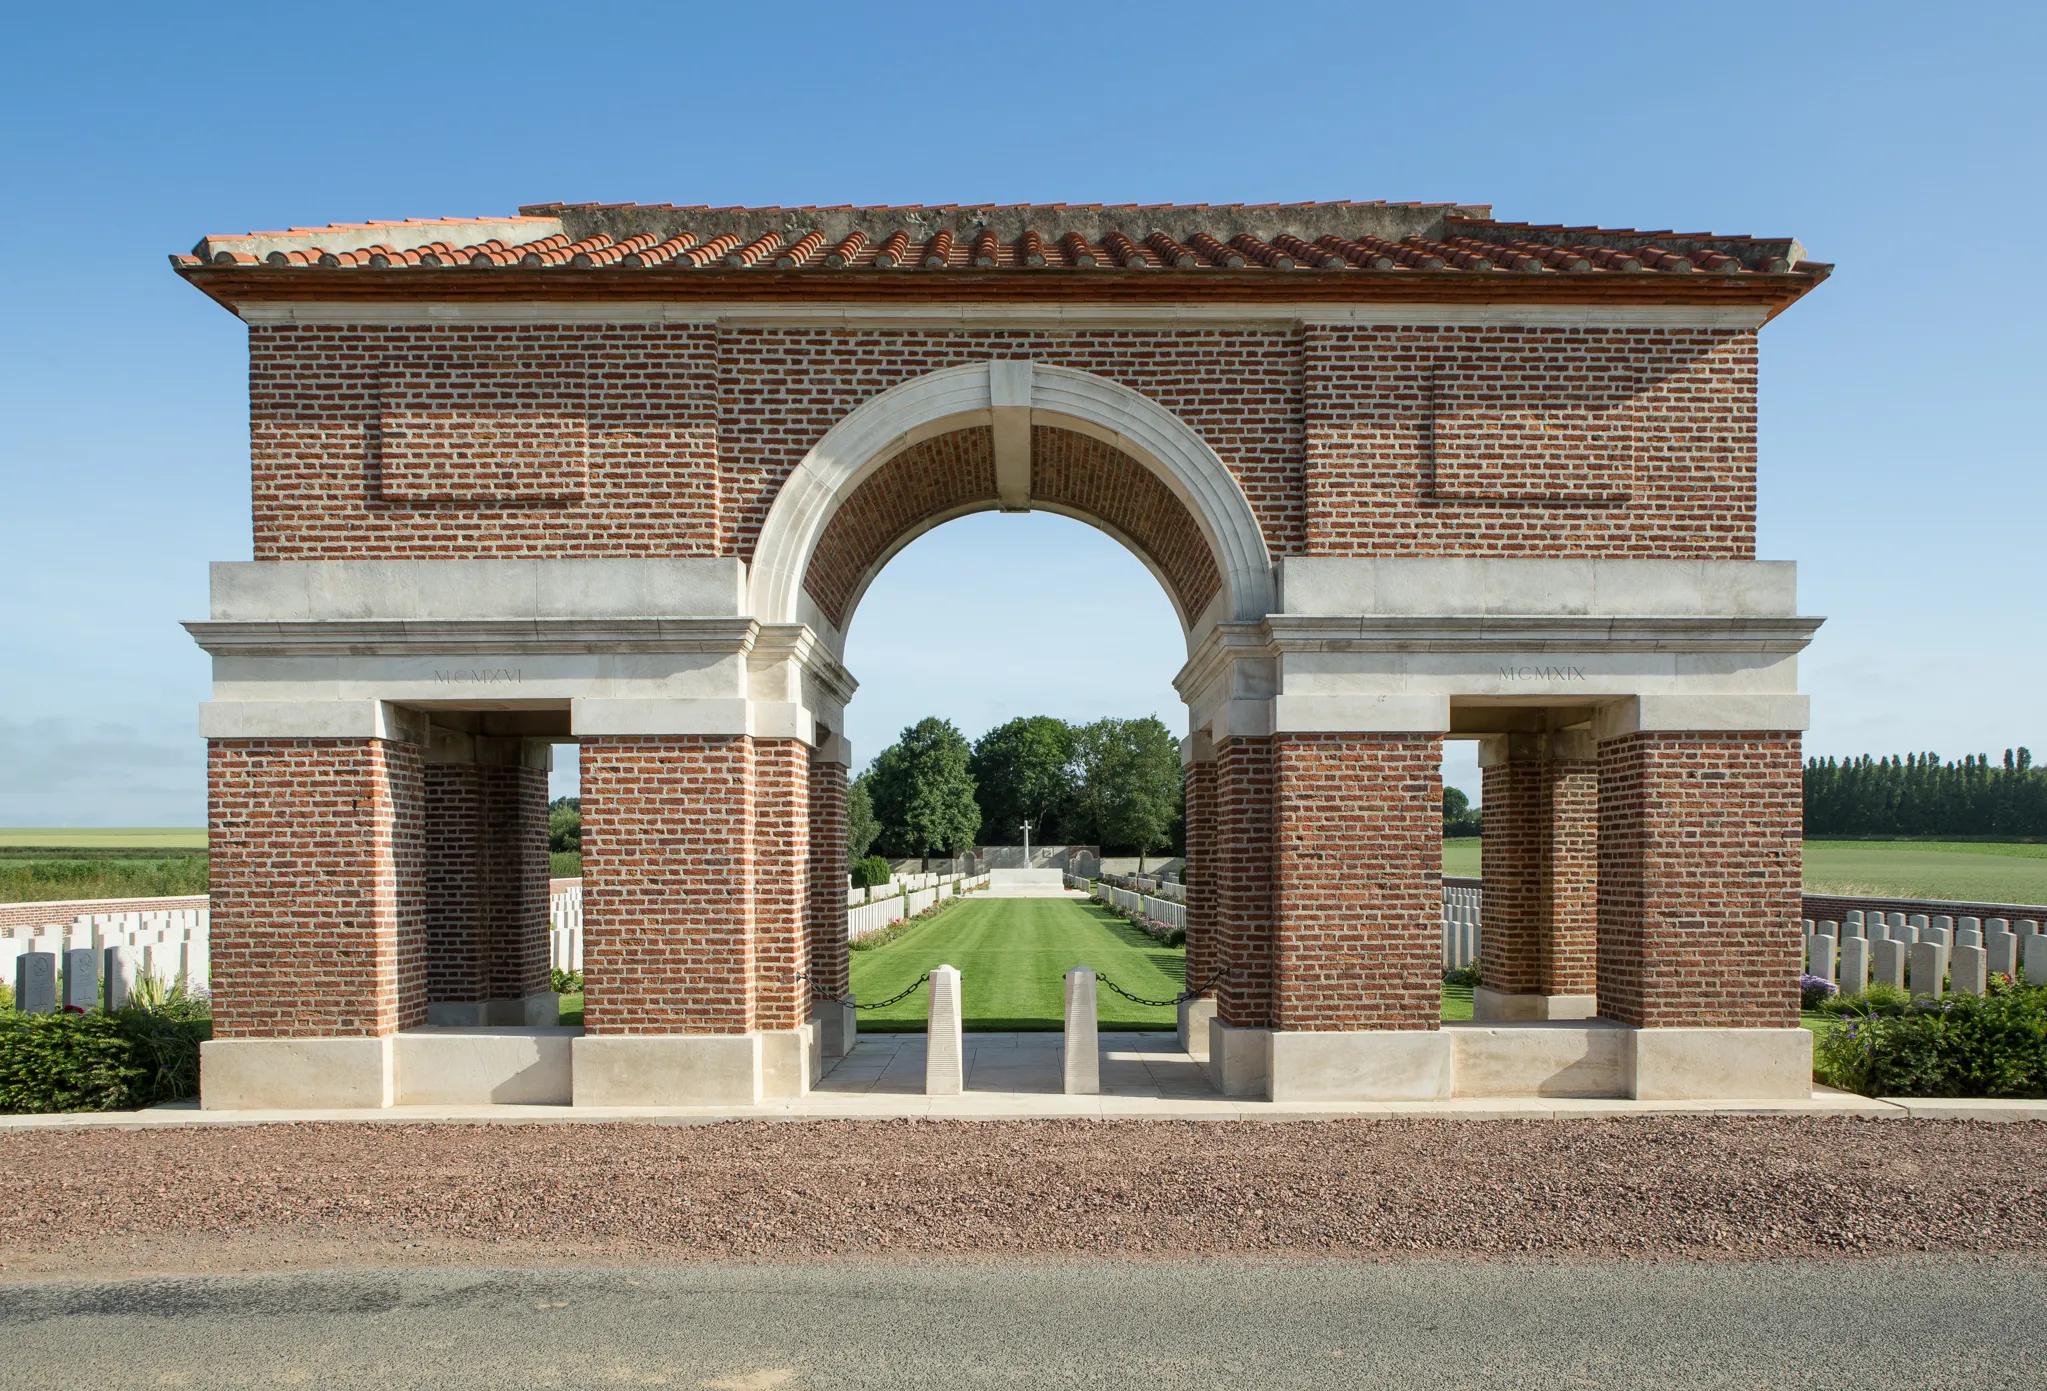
(1018,1076)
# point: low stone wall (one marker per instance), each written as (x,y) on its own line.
(65,911)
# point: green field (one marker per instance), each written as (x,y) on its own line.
(105,837)
(1969,871)
(1013,954)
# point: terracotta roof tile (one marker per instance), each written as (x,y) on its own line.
(1320,238)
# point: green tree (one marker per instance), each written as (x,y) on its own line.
(565,824)
(861,827)
(1458,817)
(1131,789)
(923,791)
(1023,770)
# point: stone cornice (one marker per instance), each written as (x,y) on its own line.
(1546,633)
(413,637)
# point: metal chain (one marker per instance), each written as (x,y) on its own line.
(1180,998)
(903,994)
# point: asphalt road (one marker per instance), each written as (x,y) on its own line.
(1972,1323)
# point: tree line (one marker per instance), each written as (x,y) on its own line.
(1920,795)
(1111,783)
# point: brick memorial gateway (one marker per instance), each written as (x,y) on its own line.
(619,476)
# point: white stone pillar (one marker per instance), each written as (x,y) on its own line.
(945,1071)
(1083,1060)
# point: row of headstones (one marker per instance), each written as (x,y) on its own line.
(103,978)
(1926,954)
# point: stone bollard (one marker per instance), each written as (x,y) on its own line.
(1082,1057)
(1929,968)
(838,1026)
(1854,966)
(1965,969)
(945,1061)
(81,978)
(1820,957)
(35,982)
(120,979)
(1887,963)
(2035,963)
(2001,950)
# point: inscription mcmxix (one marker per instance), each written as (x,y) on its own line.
(1542,673)
(486,676)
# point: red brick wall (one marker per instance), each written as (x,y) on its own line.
(667,882)
(924,480)
(317,397)
(1091,477)
(782,388)
(318,921)
(1541,867)
(1199,873)
(1445,441)
(1358,888)
(1699,871)
(1243,881)
(828,882)
(781,888)
(486,883)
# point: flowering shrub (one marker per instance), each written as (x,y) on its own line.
(1965,1045)
(1813,991)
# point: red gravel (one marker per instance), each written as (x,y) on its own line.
(106,1200)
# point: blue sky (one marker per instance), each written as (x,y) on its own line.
(1901,453)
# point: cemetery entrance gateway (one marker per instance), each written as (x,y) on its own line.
(620,475)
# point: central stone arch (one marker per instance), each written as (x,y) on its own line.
(1015,435)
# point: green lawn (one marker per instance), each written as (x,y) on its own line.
(105,837)
(1460,857)
(1013,954)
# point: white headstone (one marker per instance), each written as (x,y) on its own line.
(1929,967)
(121,964)
(35,982)
(944,1041)
(81,978)
(1887,963)
(1854,966)
(1916,920)
(1820,956)
(1854,916)
(2001,952)
(2035,962)
(1966,970)
(1833,929)
(1083,1059)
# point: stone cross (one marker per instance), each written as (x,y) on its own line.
(81,978)
(944,1042)
(1887,963)
(1854,966)
(35,982)
(1083,1058)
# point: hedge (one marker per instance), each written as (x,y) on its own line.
(1992,1045)
(100,1062)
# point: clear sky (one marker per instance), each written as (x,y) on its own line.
(1901,413)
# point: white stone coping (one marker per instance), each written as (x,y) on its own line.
(611,587)
(1450,585)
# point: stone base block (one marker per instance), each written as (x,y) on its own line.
(792,1060)
(541,1011)
(476,1067)
(1720,1065)
(1239,1060)
(1498,1005)
(838,1027)
(1194,1017)
(1541,1059)
(668,1070)
(296,1074)
(1369,1065)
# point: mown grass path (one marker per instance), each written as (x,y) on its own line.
(1013,954)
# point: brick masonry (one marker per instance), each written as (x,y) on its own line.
(486,871)
(319,920)
(668,883)
(1358,881)
(1198,873)
(1541,877)
(1699,870)
(1243,855)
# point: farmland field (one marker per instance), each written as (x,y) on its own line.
(104,837)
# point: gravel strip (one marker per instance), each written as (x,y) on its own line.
(1695,1187)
